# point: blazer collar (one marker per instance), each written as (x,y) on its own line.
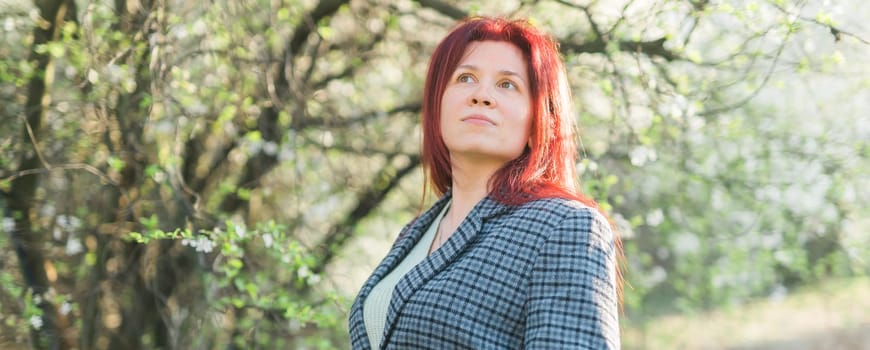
(452,249)
(431,265)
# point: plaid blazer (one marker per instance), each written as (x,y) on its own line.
(536,276)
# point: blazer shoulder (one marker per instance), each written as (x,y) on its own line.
(561,214)
(559,208)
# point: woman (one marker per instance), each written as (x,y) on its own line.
(511,256)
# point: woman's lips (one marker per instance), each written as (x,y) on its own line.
(478,119)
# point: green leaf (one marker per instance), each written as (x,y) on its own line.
(116,163)
(252,290)
(283,14)
(146,98)
(235,263)
(254,136)
(326,32)
(136,237)
(151,170)
(90,259)
(825,19)
(606,86)
(238,302)
(149,222)
(56,50)
(244,194)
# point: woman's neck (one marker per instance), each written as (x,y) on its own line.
(470,186)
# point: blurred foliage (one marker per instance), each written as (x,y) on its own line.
(225,174)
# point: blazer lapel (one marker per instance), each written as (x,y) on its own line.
(403,245)
(452,249)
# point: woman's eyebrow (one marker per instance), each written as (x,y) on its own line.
(469,67)
(512,74)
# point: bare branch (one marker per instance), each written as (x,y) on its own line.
(300,124)
(444,8)
(35,144)
(75,166)
(325,8)
(653,48)
(757,90)
(267,123)
(367,201)
(837,32)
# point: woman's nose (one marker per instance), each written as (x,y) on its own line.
(481,98)
(485,102)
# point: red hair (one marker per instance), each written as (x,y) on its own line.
(546,168)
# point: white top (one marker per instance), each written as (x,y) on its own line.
(378,301)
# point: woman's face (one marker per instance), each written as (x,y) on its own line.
(486,107)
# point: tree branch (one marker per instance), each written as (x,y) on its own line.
(324,8)
(837,32)
(652,48)
(267,123)
(307,123)
(757,90)
(367,201)
(444,8)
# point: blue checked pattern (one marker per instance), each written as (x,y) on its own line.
(537,276)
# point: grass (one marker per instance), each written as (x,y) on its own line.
(832,315)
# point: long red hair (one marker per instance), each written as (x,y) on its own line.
(546,168)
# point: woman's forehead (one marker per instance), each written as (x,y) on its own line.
(494,55)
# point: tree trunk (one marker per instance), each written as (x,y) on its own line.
(52,332)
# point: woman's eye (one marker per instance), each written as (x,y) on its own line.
(507,85)
(465,78)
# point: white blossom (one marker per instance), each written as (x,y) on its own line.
(268,240)
(205,245)
(270,148)
(624,226)
(179,32)
(663,253)
(655,217)
(303,271)
(686,243)
(8,224)
(93,76)
(313,279)
(201,244)
(639,117)
(114,73)
(657,275)
(65,308)
(68,223)
(199,27)
(641,155)
(36,322)
(73,246)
